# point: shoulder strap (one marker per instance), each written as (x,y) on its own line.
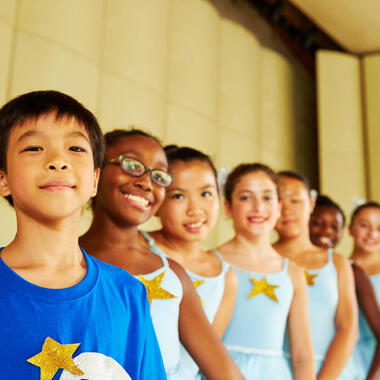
(155,249)
(330,254)
(286,264)
(225,265)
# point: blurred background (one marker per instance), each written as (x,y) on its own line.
(293,84)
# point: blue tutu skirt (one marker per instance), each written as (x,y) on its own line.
(180,373)
(349,372)
(363,355)
(261,365)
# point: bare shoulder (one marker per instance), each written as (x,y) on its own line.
(231,277)
(341,263)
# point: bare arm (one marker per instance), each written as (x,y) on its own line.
(226,307)
(199,337)
(301,345)
(368,304)
(346,323)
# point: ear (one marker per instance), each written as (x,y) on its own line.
(227,207)
(4,188)
(96,182)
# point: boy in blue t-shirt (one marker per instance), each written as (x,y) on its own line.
(63,314)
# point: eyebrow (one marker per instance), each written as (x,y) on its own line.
(183,189)
(139,156)
(33,133)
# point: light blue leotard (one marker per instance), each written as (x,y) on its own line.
(210,291)
(165,313)
(323,301)
(255,334)
(365,348)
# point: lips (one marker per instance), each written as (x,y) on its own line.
(257,219)
(194,226)
(57,186)
(137,200)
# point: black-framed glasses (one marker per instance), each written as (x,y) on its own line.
(137,169)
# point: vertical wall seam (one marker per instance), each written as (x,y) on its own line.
(101,56)
(12,55)
(365,129)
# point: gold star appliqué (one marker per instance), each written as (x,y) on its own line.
(55,356)
(310,277)
(262,286)
(197,284)
(153,288)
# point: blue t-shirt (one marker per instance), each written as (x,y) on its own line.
(100,327)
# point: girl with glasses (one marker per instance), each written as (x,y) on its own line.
(188,214)
(131,190)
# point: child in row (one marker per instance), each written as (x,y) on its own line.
(272,292)
(326,229)
(64,314)
(331,290)
(131,190)
(365,231)
(188,214)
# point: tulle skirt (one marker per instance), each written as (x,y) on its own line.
(261,365)
(363,355)
(349,372)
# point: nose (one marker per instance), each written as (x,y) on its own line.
(57,162)
(194,207)
(144,182)
(257,205)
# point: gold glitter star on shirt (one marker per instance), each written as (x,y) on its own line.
(309,277)
(55,356)
(197,284)
(153,288)
(262,286)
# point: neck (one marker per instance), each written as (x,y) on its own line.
(293,246)
(105,234)
(172,243)
(257,246)
(362,255)
(45,243)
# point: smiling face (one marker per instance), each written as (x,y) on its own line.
(326,227)
(191,205)
(130,200)
(254,205)
(50,170)
(365,230)
(296,207)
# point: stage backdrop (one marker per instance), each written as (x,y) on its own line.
(210,74)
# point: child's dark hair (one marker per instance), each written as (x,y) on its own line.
(295,175)
(117,134)
(370,204)
(243,169)
(325,201)
(186,154)
(32,105)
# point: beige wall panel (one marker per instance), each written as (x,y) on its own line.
(77,25)
(239,98)
(40,64)
(6,34)
(339,102)
(194,55)
(124,103)
(7,11)
(277,160)
(7,223)
(277,102)
(235,148)
(136,41)
(185,127)
(371,80)
(341,153)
